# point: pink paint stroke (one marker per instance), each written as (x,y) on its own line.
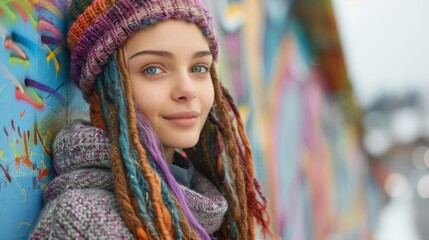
(8,43)
(47,26)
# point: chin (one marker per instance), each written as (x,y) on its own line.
(182,141)
(187,144)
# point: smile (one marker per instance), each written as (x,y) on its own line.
(183,119)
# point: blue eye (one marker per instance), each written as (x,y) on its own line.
(152,70)
(200,69)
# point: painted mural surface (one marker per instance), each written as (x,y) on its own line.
(307,158)
(307,154)
(33,100)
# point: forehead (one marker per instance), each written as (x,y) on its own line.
(170,35)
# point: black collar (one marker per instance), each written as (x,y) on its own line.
(182,170)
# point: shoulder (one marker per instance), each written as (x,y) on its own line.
(82,214)
(80,145)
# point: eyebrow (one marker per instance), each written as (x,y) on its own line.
(167,54)
(152,52)
(200,54)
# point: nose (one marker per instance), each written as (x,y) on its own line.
(184,88)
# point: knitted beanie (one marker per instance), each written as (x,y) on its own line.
(98,28)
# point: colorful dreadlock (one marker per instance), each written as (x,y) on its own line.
(152,202)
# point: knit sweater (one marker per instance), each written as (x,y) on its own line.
(80,202)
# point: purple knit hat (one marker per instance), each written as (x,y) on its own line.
(105,25)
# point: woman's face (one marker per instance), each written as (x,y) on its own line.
(169,67)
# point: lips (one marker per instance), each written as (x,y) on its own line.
(183,119)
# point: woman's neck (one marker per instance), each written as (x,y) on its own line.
(169,154)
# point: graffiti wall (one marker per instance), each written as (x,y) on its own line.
(303,127)
(307,154)
(34,91)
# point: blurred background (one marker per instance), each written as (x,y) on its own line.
(332,92)
(386,52)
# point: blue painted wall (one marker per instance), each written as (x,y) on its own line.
(34,102)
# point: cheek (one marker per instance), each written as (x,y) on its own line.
(144,101)
(144,108)
(149,110)
(208,96)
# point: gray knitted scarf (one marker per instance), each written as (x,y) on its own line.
(80,202)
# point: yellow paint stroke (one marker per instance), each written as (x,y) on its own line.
(15,153)
(12,147)
(37,135)
(23,225)
(1,156)
(23,197)
(52,56)
(234,10)
(42,162)
(30,3)
(10,77)
(49,6)
(233,16)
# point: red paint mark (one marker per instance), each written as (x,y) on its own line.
(26,158)
(5,132)
(17,162)
(6,173)
(13,125)
(42,174)
(35,135)
(23,96)
(16,141)
(21,11)
(22,114)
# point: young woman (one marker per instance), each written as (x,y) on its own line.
(165,155)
